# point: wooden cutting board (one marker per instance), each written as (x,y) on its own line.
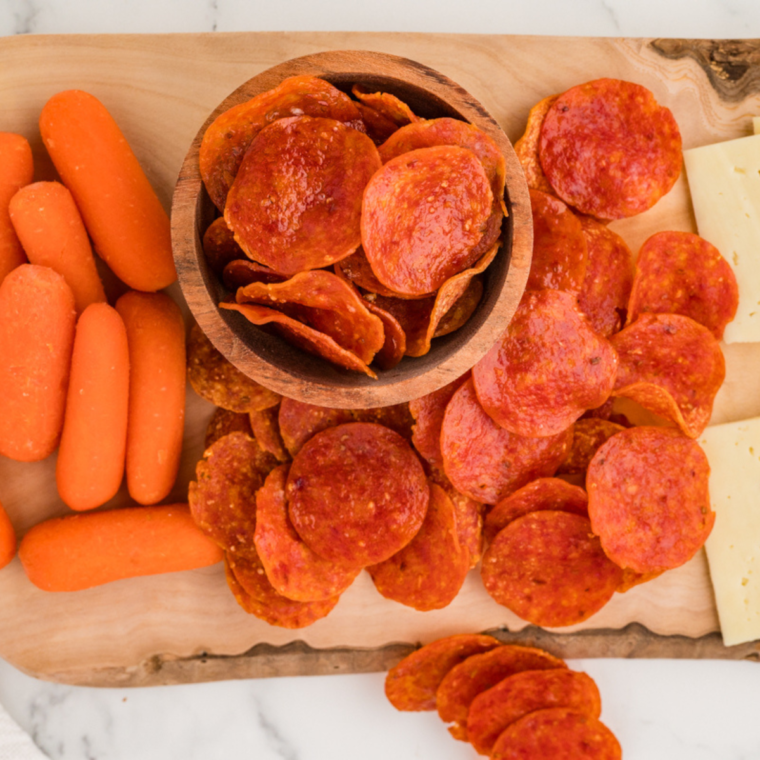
(186,626)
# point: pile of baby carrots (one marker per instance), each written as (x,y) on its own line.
(104,384)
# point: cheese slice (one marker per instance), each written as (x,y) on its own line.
(724,180)
(733,548)
(756,124)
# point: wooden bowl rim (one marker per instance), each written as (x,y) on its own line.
(402,383)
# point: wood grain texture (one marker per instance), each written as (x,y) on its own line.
(181,627)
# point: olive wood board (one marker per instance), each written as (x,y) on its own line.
(187,627)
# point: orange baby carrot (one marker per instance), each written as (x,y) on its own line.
(37,319)
(90,463)
(50,229)
(121,211)
(156,336)
(7,539)
(81,551)
(16,170)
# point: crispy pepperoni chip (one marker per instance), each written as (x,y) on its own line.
(542,494)
(394,345)
(219,246)
(429,571)
(219,382)
(379,127)
(242,272)
(464,307)
(256,595)
(479,672)
(547,369)
(609,150)
(223,496)
(223,423)
(301,336)
(326,303)
(411,685)
(516,696)
(588,435)
(648,498)
(469,518)
(526,147)
(560,254)
(293,569)
(266,430)
(357,270)
(631,579)
(423,214)
(609,278)
(229,136)
(296,202)
(549,569)
(357,493)
(388,106)
(559,733)
(486,462)
(671,366)
(681,273)
(397,417)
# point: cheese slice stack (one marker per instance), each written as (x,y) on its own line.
(733,548)
(724,179)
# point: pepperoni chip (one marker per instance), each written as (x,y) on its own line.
(242,272)
(541,494)
(422,216)
(296,202)
(429,571)
(526,147)
(256,595)
(223,496)
(559,733)
(549,569)
(609,278)
(547,369)
(514,697)
(394,345)
(219,382)
(411,685)
(223,423)
(681,273)
(588,435)
(379,127)
(397,417)
(474,675)
(357,270)
(219,246)
(227,139)
(464,307)
(388,106)
(609,149)
(487,462)
(326,303)
(357,494)
(632,579)
(291,567)
(302,336)
(672,366)
(648,498)
(560,253)
(469,518)
(266,430)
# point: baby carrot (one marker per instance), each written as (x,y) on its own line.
(52,233)
(37,319)
(90,463)
(7,539)
(16,170)
(81,551)
(121,211)
(156,336)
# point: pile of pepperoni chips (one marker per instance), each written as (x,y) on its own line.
(510,702)
(351,226)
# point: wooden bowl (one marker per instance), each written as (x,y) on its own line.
(271,360)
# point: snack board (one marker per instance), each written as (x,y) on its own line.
(188,627)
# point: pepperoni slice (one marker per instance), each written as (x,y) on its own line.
(469,515)
(242,272)
(266,430)
(609,149)
(681,273)
(297,199)
(422,216)
(631,579)
(219,382)
(357,270)
(487,462)
(560,253)
(672,366)
(588,435)
(526,147)
(549,569)
(394,345)
(648,498)
(412,684)
(223,423)
(357,493)
(547,369)
(230,135)
(219,246)
(387,105)
(379,127)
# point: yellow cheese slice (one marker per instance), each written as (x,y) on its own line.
(733,548)
(756,124)
(724,180)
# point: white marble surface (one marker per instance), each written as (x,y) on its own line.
(660,710)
